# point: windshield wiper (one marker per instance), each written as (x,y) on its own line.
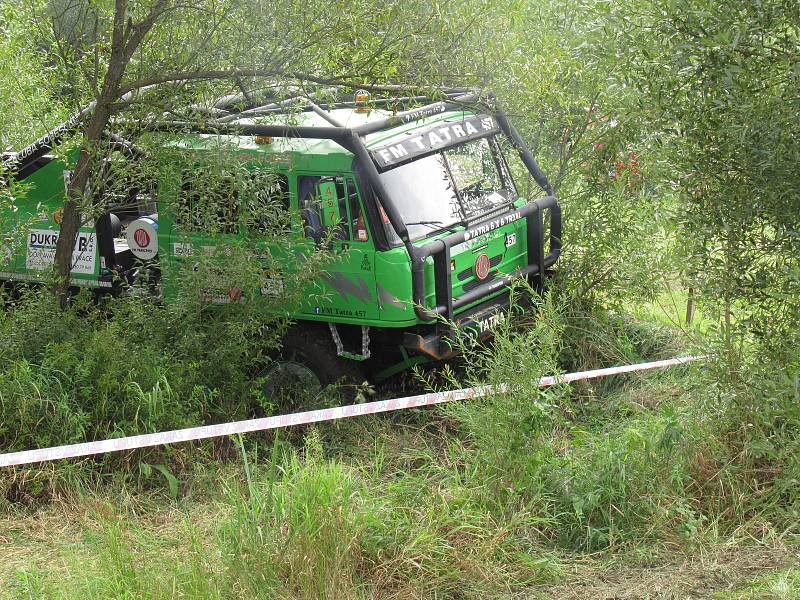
(428,223)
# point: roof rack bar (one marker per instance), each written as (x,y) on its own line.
(337,134)
(325,115)
(257,110)
(266,94)
(275,107)
(383,101)
(231,101)
(128,146)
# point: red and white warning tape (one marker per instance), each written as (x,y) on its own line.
(304,418)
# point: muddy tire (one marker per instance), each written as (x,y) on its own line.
(307,371)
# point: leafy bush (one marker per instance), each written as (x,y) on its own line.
(123,367)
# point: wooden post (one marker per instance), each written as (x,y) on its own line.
(690,306)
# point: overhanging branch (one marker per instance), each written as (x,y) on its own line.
(264,73)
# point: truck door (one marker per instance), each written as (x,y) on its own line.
(333,213)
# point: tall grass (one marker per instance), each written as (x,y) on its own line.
(486,498)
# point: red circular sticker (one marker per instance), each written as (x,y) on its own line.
(142,238)
(482,265)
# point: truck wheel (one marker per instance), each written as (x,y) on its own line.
(307,367)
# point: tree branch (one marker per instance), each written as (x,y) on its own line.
(261,73)
(140,30)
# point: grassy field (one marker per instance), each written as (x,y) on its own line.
(322,544)
(393,508)
(631,487)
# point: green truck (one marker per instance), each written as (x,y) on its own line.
(420,207)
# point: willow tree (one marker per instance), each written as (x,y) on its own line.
(720,84)
(109,51)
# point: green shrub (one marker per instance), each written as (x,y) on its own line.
(123,366)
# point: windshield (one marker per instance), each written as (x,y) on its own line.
(458,185)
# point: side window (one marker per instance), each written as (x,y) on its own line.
(265,199)
(342,228)
(323,206)
(126,187)
(207,206)
(310,206)
(510,166)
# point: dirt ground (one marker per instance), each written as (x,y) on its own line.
(716,573)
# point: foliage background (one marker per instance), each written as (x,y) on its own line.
(669,128)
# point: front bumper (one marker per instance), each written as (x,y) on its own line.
(475,324)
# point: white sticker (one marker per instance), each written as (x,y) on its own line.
(142,238)
(42,251)
(272,286)
(182,249)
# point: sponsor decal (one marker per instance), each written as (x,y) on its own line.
(340,312)
(492,225)
(215,297)
(482,265)
(141,238)
(432,139)
(41,251)
(272,286)
(182,249)
(46,143)
(429,111)
(92,283)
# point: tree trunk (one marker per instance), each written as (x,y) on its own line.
(690,306)
(121,52)
(71,220)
